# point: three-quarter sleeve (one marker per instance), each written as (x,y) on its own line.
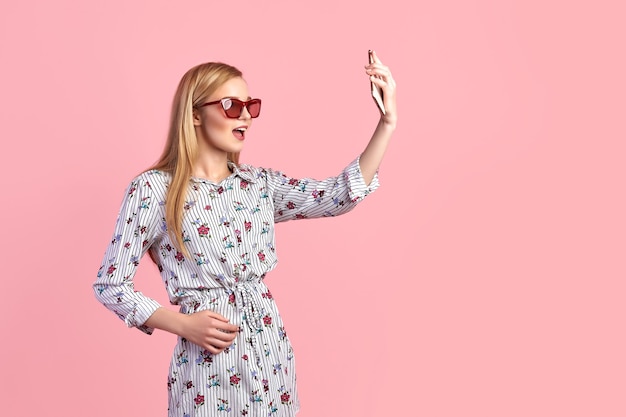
(137,225)
(308,198)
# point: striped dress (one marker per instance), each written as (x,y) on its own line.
(228,229)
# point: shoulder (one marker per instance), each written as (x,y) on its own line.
(155,176)
(252,173)
(262,173)
(151,182)
(249,169)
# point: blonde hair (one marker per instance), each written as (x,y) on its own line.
(181,148)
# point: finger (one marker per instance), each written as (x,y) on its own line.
(378,81)
(222,334)
(379,71)
(219,344)
(384,75)
(377,67)
(221,341)
(213,349)
(383,83)
(375,57)
(216,315)
(226,327)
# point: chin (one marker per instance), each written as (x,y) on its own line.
(233,149)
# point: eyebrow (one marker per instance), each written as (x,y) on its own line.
(249,98)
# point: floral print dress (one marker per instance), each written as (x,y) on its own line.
(228,229)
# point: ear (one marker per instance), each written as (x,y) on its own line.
(197,121)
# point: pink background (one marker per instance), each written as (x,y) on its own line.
(484,278)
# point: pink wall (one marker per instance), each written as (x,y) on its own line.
(484,278)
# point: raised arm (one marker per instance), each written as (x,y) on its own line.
(375,150)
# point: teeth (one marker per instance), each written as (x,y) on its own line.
(241,129)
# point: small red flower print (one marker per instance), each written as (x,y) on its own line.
(267,320)
(291,205)
(247,226)
(267,295)
(284,398)
(243,184)
(207,207)
(293,181)
(231,299)
(199,400)
(244,357)
(234,379)
(127,245)
(143,229)
(203,230)
(300,216)
(111,269)
(205,358)
(317,195)
(220,190)
(261,256)
(189,384)
(179,256)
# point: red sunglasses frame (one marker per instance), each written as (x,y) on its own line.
(238,102)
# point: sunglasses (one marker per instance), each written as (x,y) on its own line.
(234,107)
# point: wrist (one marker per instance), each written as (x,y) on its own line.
(388,123)
(168,320)
(180,324)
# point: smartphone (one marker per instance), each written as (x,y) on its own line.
(377,92)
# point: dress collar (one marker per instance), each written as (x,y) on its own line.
(242,171)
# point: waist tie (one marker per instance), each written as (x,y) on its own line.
(246,299)
(244,292)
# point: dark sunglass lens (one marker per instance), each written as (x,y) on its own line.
(254,108)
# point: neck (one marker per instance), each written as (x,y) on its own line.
(212,167)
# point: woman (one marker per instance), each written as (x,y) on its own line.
(208,223)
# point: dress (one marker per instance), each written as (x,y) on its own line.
(228,229)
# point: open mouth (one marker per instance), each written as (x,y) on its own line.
(240,133)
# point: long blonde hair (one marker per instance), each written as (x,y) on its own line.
(181,148)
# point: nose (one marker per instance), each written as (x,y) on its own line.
(245,114)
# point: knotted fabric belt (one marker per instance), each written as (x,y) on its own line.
(246,294)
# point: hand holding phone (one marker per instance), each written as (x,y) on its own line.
(377,92)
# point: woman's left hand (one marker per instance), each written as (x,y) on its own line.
(381,76)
